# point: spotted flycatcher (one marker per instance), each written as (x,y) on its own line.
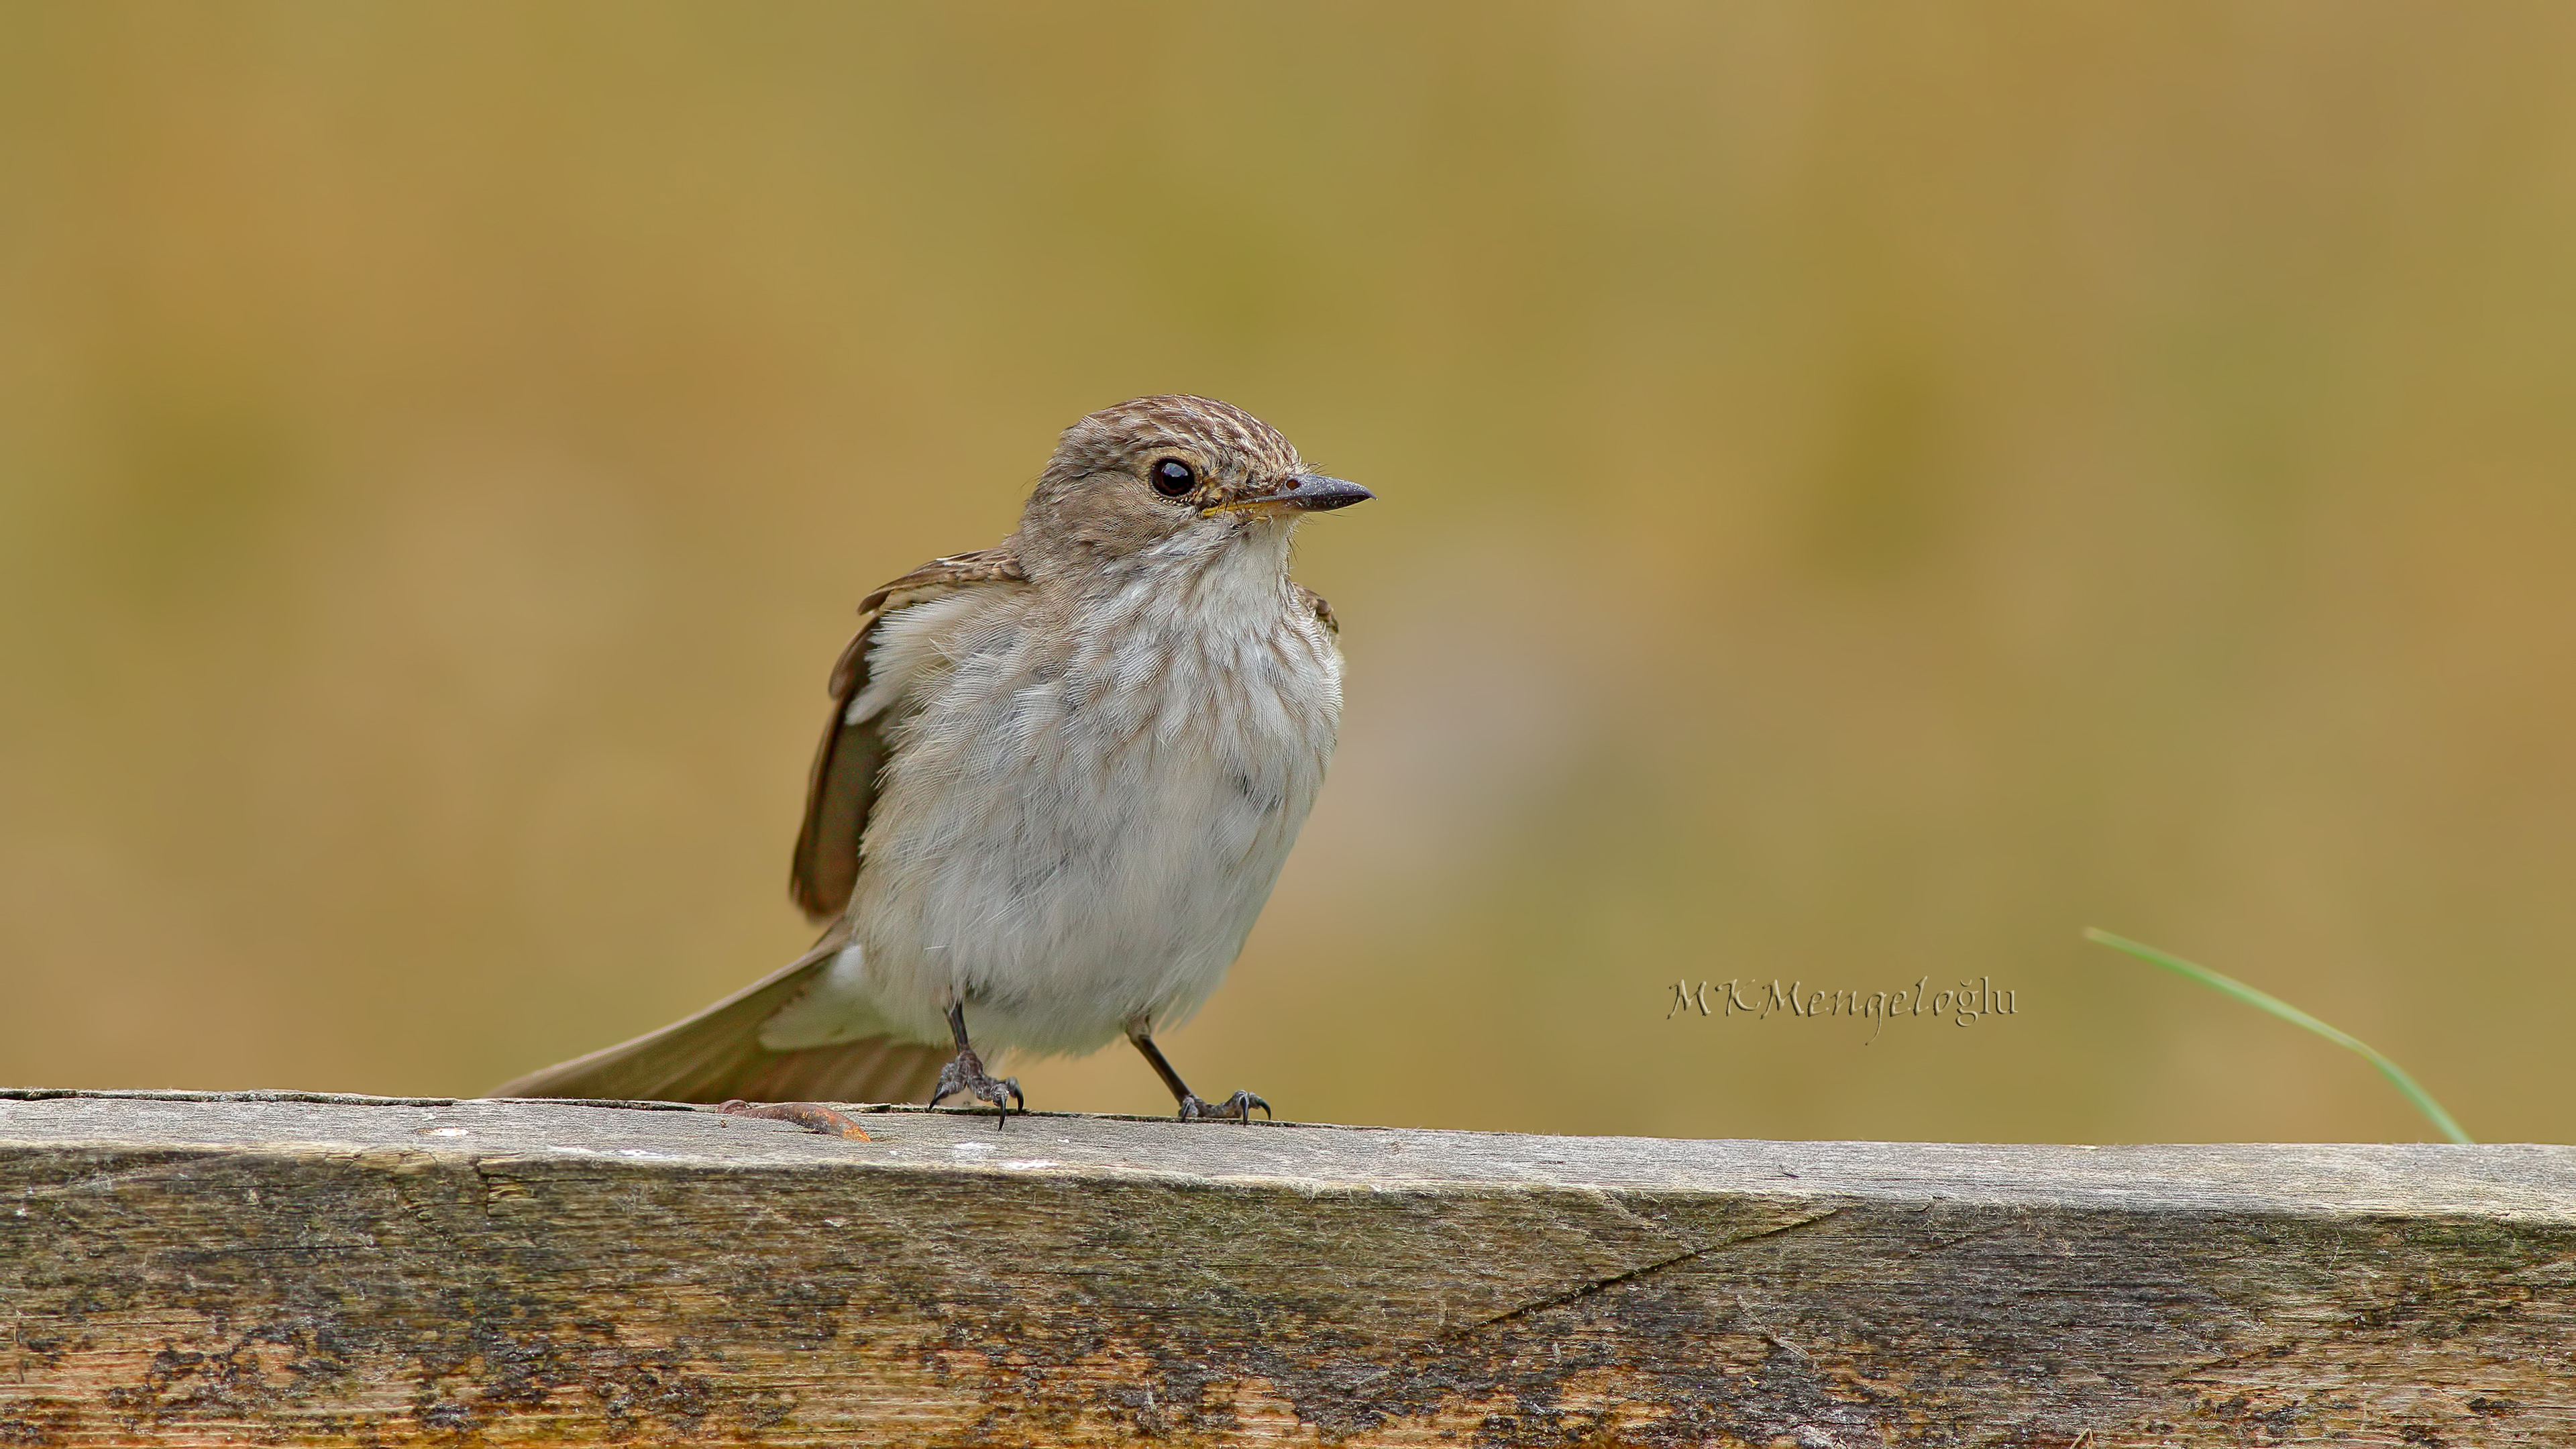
(1058,781)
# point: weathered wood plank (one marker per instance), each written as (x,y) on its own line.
(211,1269)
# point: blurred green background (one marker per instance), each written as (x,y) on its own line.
(1866,492)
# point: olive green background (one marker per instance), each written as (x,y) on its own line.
(1866,492)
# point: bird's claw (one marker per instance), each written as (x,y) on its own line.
(1237,1108)
(966,1074)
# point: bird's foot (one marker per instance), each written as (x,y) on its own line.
(966,1074)
(1237,1108)
(812,1116)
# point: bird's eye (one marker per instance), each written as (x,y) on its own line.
(1172,478)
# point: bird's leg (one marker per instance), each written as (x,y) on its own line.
(1236,1108)
(966,1073)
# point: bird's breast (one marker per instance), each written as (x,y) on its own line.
(1083,814)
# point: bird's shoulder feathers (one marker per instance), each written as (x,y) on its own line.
(1314,601)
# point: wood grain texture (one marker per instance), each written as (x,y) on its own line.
(247,1269)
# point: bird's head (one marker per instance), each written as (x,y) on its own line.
(1172,478)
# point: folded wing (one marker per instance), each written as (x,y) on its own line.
(716,1055)
(846,765)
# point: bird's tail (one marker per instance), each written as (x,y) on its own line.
(716,1056)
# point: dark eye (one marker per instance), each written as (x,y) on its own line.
(1172,478)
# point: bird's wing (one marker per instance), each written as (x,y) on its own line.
(847,763)
(716,1056)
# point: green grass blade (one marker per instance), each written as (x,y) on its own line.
(2264,1000)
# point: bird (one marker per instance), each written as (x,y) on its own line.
(1058,781)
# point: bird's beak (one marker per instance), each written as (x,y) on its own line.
(1305,493)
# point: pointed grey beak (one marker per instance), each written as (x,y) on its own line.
(1315,493)
(1305,493)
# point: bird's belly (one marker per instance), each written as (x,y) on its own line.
(1058,935)
(1069,860)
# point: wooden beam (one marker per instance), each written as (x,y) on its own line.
(282,1268)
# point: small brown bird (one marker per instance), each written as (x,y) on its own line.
(1059,778)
